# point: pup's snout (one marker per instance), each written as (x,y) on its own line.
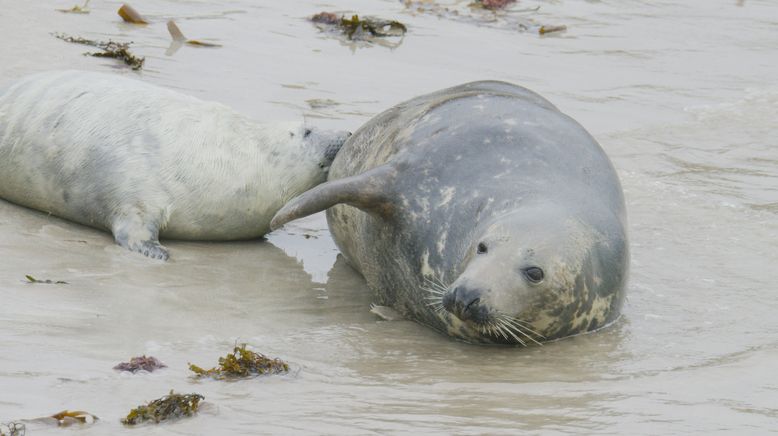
(334,146)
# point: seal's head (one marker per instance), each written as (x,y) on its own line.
(303,155)
(533,277)
(323,144)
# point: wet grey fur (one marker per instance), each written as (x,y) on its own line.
(482,163)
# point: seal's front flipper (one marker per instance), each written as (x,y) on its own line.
(368,191)
(133,231)
(385,312)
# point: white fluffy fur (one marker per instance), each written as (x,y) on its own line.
(138,160)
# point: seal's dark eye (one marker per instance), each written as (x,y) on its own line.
(307,133)
(481,249)
(534,274)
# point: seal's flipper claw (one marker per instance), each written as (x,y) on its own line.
(152,249)
(369,191)
(148,248)
(133,232)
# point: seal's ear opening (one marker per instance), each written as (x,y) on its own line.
(368,191)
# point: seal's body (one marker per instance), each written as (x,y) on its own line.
(481,211)
(143,162)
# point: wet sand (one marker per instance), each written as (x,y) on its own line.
(684,98)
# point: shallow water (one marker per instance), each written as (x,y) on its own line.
(683,97)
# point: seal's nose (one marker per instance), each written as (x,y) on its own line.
(334,147)
(465,304)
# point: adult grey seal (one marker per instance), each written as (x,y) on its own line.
(146,162)
(481,211)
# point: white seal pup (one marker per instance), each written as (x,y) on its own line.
(145,162)
(481,211)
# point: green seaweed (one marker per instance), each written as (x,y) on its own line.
(31,279)
(356,28)
(492,5)
(550,29)
(541,29)
(242,363)
(171,406)
(110,49)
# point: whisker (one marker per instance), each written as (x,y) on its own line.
(435,289)
(507,328)
(440,282)
(487,329)
(517,320)
(434,280)
(499,329)
(519,329)
(517,323)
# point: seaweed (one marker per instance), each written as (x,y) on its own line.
(549,29)
(83,9)
(111,49)
(12,429)
(31,279)
(64,418)
(320,103)
(356,28)
(242,363)
(169,407)
(68,417)
(541,29)
(178,36)
(492,5)
(120,50)
(491,13)
(145,363)
(130,15)
(326,18)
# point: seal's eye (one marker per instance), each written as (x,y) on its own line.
(481,249)
(307,133)
(534,274)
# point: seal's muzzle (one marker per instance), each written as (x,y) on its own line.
(465,304)
(332,149)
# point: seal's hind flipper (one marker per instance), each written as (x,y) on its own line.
(368,191)
(135,232)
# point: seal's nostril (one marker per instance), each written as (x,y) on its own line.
(464,303)
(472,305)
